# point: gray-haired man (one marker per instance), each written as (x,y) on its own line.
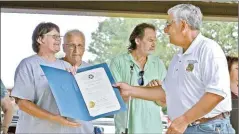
(74,48)
(197,86)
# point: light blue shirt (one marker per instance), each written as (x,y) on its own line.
(30,83)
(145,115)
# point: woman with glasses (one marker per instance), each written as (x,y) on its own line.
(38,110)
(139,67)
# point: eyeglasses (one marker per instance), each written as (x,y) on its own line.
(55,37)
(169,23)
(141,79)
(73,46)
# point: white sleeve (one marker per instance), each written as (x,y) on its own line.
(215,74)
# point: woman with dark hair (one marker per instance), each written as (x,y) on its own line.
(39,112)
(233,70)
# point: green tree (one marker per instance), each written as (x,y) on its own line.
(224,33)
(111,38)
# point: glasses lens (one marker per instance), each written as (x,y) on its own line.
(56,37)
(166,24)
(141,81)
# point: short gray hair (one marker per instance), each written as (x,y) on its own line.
(189,13)
(74,32)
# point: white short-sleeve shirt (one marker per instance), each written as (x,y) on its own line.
(202,68)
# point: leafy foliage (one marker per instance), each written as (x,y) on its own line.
(111,38)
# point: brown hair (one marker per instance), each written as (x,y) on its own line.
(39,31)
(138,32)
(230,61)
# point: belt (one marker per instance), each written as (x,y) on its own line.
(204,120)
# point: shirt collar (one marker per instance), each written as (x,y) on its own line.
(84,64)
(150,60)
(192,46)
(129,57)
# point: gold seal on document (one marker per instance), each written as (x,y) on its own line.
(91,104)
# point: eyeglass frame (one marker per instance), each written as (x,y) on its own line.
(167,24)
(73,46)
(55,37)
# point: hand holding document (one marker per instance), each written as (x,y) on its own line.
(88,95)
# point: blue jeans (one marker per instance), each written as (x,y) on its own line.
(98,130)
(217,126)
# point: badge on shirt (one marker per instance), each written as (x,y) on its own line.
(190,66)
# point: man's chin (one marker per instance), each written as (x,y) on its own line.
(77,59)
(56,51)
(150,52)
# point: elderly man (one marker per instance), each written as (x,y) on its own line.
(7,108)
(197,85)
(74,48)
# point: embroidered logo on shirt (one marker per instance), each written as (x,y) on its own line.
(190,66)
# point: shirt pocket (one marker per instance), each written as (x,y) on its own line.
(213,127)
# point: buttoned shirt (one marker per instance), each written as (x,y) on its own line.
(201,68)
(144,115)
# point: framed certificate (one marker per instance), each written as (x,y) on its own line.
(88,95)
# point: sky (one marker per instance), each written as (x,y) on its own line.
(16,32)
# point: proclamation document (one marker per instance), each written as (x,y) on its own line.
(97,91)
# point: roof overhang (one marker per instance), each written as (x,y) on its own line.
(211,9)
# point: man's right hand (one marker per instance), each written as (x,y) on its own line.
(62,120)
(125,90)
(154,93)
